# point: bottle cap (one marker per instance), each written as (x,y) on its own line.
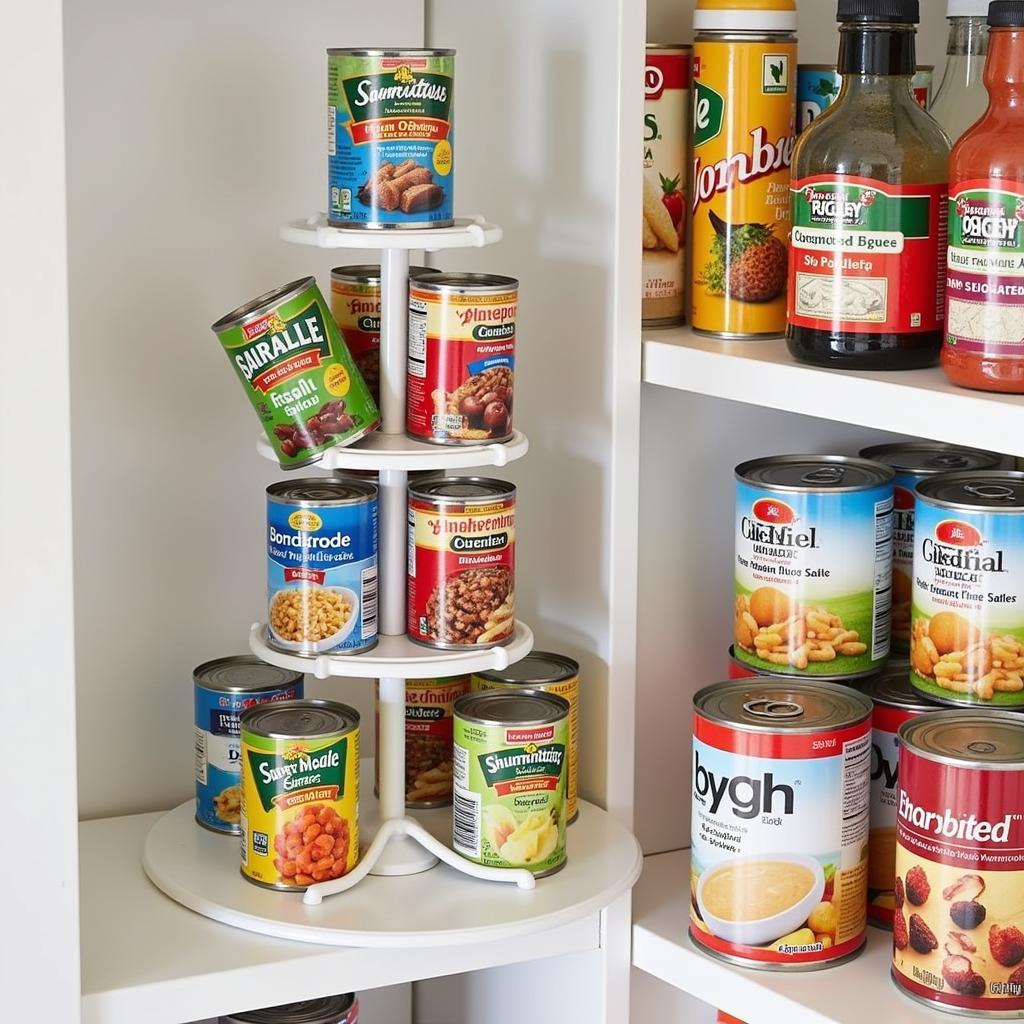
(745,16)
(1006,14)
(905,12)
(967,8)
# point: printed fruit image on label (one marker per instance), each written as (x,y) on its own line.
(813,565)
(780,821)
(867,256)
(958,926)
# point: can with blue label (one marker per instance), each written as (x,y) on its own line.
(224,688)
(322,566)
(817,86)
(390,138)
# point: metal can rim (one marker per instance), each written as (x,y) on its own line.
(369,273)
(465,282)
(681,47)
(355,51)
(347,718)
(430,490)
(557,707)
(904,697)
(570,670)
(290,676)
(255,308)
(883,474)
(327,1010)
(977,718)
(874,453)
(351,492)
(926,487)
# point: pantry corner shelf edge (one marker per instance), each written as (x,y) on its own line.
(466,233)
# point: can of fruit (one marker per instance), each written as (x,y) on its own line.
(781,781)
(325,1010)
(958,943)
(666,167)
(322,566)
(223,690)
(813,565)
(551,673)
(967,632)
(462,358)
(895,702)
(461,565)
(913,462)
(300,793)
(298,374)
(922,84)
(817,87)
(390,138)
(510,770)
(429,712)
(744,107)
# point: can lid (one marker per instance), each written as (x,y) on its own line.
(326,1010)
(779,705)
(463,489)
(661,47)
(907,12)
(745,16)
(291,719)
(254,309)
(454,281)
(892,688)
(322,491)
(537,668)
(985,739)
(243,673)
(815,473)
(511,707)
(991,491)
(349,51)
(967,8)
(927,458)
(369,273)
(1006,14)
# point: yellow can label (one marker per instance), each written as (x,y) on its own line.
(743,129)
(300,809)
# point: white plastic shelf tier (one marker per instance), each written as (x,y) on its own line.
(851,993)
(465,233)
(379,451)
(921,403)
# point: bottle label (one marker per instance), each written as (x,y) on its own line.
(866,256)
(985,267)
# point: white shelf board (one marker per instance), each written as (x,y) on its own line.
(850,993)
(921,403)
(378,450)
(465,233)
(397,657)
(146,958)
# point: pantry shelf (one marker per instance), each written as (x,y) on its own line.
(921,403)
(465,233)
(860,990)
(379,451)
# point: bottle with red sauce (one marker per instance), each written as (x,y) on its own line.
(984,338)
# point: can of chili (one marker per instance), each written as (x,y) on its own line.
(299,375)
(461,562)
(958,943)
(549,673)
(342,1009)
(462,355)
(781,781)
(300,793)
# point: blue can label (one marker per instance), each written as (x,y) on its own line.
(390,139)
(322,576)
(816,90)
(217,751)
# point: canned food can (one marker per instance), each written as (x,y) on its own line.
(510,771)
(299,375)
(390,138)
(462,358)
(666,170)
(462,546)
(342,1009)
(550,673)
(895,702)
(913,462)
(429,712)
(958,943)
(224,688)
(300,793)
(781,781)
(322,566)
(967,631)
(813,565)
(817,88)
(922,84)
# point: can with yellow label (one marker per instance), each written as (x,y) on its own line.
(744,109)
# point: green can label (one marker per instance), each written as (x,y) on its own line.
(298,373)
(509,794)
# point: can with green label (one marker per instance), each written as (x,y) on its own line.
(298,373)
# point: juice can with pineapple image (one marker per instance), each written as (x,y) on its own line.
(744,111)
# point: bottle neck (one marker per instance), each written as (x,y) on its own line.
(968,37)
(1004,68)
(876,50)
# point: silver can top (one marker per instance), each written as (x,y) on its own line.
(991,491)
(299,719)
(263,304)
(326,1010)
(316,492)
(892,689)
(462,490)
(814,474)
(369,273)
(348,51)
(243,673)
(539,668)
(511,707)
(929,458)
(968,739)
(465,283)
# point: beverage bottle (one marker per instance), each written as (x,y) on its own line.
(961,97)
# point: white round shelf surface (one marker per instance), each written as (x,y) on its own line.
(397,657)
(200,870)
(378,451)
(465,233)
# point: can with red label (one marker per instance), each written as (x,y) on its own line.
(781,780)
(958,926)
(895,702)
(462,358)
(461,562)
